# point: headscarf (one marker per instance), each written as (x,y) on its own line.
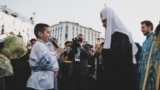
(114,24)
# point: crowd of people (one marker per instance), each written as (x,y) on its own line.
(118,63)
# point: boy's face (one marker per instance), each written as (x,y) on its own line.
(45,35)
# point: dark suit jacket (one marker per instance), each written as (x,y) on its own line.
(79,67)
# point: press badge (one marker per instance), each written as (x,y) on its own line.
(77,56)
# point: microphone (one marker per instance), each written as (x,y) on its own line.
(52,40)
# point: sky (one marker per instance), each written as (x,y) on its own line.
(87,12)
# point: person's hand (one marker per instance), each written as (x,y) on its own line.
(2,56)
(59,50)
(139,62)
(99,49)
(56,73)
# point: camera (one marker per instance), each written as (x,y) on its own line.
(88,47)
(75,44)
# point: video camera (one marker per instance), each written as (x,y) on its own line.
(75,44)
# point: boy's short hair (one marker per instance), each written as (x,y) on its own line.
(40,27)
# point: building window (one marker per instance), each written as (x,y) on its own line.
(72,33)
(66,26)
(53,31)
(60,34)
(77,32)
(66,33)
(66,29)
(84,32)
(66,36)
(5,11)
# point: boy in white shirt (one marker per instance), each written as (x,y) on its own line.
(43,61)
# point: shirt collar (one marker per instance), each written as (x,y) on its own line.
(40,40)
(149,34)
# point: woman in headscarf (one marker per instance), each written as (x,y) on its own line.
(118,53)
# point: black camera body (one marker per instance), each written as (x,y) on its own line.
(75,44)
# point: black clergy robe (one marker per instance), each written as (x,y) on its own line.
(118,64)
(21,71)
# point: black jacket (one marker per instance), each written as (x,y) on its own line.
(79,67)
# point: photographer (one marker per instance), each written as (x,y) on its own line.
(78,71)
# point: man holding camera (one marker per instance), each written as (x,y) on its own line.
(78,71)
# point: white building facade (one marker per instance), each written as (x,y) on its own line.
(66,31)
(11,21)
